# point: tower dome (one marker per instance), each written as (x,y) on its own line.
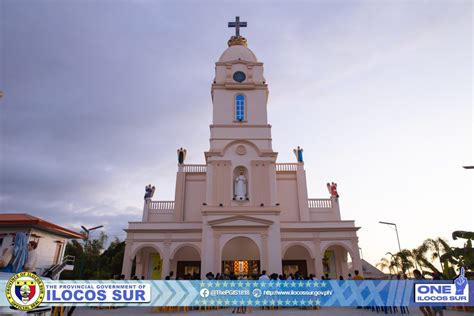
(237,51)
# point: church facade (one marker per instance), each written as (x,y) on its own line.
(241,211)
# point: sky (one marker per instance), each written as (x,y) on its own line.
(98,95)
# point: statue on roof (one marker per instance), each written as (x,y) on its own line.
(298,153)
(181,155)
(149,192)
(332,188)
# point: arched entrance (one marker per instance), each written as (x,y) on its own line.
(336,260)
(186,261)
(241,256)
(297,259)
(147,263)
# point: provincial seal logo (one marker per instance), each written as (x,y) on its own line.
(25,291)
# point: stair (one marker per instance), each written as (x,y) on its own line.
(55,270)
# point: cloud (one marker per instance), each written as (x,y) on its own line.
(98,96)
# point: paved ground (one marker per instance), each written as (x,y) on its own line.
(332,311)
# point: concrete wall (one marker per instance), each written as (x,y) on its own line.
(195,195)
(288,196)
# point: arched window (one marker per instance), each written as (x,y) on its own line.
(239,108)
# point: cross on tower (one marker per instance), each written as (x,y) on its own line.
(237,24)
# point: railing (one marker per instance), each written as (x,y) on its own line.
(286,166)
(319,203)
(161,206)
(195,168)
(55,270)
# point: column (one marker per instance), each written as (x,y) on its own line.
(272,245)
(356,262)
(217,257)
(165,269)
(264,256)
(127,260)
(139,265)
(344,263)
(318,258)
(207,250)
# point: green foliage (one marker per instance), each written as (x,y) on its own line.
(97,263)
(434,256)
(462,257)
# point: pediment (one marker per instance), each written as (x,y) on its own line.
(240,220)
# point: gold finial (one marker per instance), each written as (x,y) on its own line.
(237,40)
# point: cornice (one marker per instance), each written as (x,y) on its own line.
(239,86)
(233,62)
(240,125)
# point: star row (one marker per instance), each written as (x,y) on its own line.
(260,284)
(264,302)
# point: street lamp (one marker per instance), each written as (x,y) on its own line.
(396,230)
(88,232)
(468,167)
(361,253)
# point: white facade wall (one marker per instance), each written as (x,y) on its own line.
(277,217)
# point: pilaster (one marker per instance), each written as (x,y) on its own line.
(179,194)
(318,258)
(165,269)
(302,192)
(127,260)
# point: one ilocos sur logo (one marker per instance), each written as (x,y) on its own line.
(443,292)
(25,291)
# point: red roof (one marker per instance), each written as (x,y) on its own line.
(26,220)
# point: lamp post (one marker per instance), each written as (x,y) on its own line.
(88,232)
(468,167)
(396,230)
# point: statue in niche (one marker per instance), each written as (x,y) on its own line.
(240,188)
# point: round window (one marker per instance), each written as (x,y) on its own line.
(239,76)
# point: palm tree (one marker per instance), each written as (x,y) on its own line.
(417,255)
(385,264)
(404,258)
(438,247)
(394,261)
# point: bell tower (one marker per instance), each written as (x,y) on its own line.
(240,141)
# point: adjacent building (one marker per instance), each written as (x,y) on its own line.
(51,240)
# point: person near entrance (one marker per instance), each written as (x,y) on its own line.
(264,276)
(357,276)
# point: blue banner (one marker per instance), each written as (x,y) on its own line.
(228,293)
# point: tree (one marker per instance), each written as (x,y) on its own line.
(431,252)
(394,262)
(111,260)
(405,259)
(460,257)
(98,264)
(386,264)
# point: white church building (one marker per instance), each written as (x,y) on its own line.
(241,211)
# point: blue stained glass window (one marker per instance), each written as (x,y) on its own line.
(240,108)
